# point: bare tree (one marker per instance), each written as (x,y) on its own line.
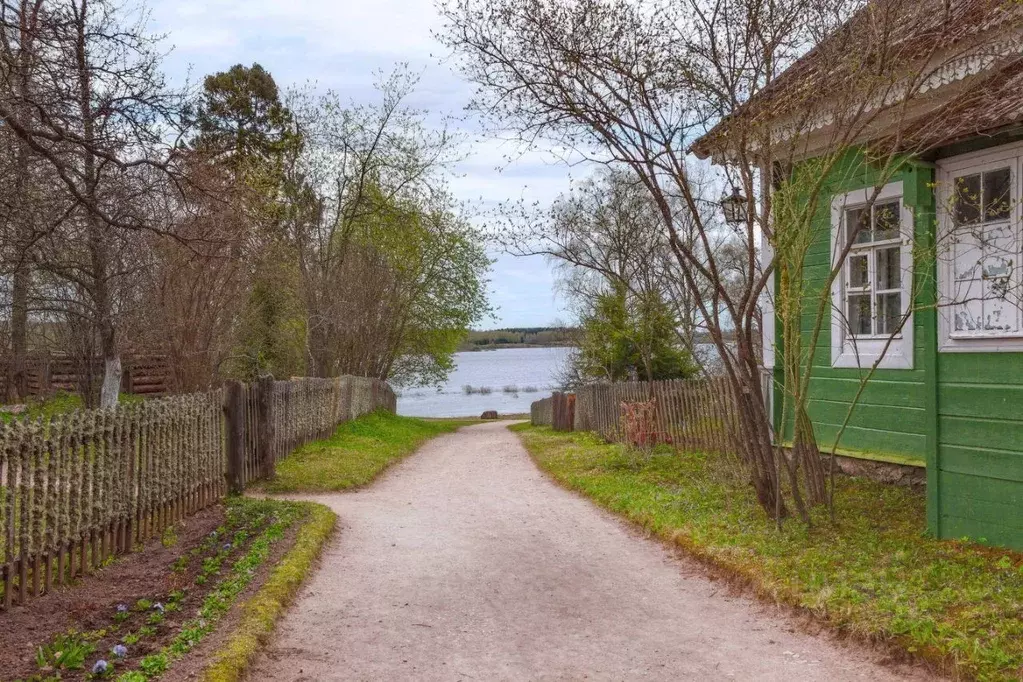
(636,85)
(102,121)
(358,163)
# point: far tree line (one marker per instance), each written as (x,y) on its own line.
(237,228)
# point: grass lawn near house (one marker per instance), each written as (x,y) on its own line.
(875,574)
(357,453)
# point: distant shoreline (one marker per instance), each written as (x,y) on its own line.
(472,348)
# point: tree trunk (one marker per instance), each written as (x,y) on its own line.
(17,380)
(111,388)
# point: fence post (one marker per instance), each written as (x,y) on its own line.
(265,427)
(235,437)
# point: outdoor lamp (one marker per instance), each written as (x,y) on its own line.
(734,207)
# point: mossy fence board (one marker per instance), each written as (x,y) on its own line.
(81,487)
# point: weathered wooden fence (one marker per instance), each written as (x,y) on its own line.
(83,486)
(563,411)
(46,374)
(278,416)
(692,414)
(541,412)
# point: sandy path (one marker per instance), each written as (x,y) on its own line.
(465,563)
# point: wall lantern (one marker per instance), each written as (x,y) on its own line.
(734,207)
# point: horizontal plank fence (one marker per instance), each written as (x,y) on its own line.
(147,375)
(81,487)
(691,414)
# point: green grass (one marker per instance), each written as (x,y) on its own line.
(875,574)
(260,613)
(357,452)
(58,403)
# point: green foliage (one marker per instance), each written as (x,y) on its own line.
(357,452)
(272,327)
(240,115)
(264,521)
(430,269)
(154,664)
(132,676)
(625,335)
(519,336)
(169,537)
(66,652)
(875,573)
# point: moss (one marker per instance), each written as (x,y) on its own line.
(356,453)
(262,611)
(874,573)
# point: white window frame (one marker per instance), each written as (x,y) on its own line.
(864,351)
(950,341)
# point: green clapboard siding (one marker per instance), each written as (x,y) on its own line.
(980,447)
(890,417)
(960,413)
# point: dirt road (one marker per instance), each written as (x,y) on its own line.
(465,563)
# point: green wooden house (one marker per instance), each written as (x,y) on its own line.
(947,393)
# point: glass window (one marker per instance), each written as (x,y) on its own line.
(997,202)
(983,255)
(967,199)
(874,277)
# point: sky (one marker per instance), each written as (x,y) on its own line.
(342,45)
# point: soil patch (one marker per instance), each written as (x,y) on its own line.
(91,603)
(153,607)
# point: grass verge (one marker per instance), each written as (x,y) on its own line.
(262,611)
(875,574)
(356,454)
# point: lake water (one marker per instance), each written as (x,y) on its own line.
(523,368)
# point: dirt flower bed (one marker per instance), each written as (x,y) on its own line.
(138,617)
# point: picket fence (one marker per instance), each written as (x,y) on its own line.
(691,414)
(81,487)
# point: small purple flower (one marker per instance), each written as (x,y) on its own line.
(122,608)
(158,607)
(226,547)
(100,667)
(119,650)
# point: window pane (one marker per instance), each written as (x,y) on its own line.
(859,276)
(856,218)
(1000,247)
(859,314)
(967,200)
(969,306)
(886,221)
(996,194)
(889,313)
(889,268)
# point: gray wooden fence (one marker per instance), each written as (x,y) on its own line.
(541,412)
(80,487)
(691,414)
